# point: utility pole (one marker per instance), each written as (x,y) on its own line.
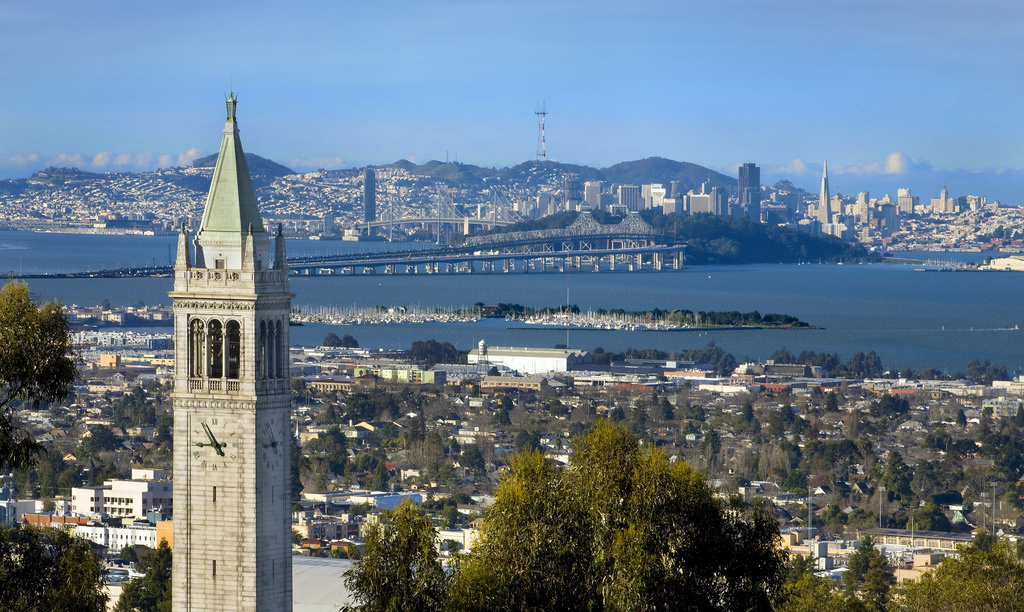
(881,490)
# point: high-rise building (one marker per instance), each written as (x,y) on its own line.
(943,203)
(905,202)
(652,195)
(629,197)
(572,191)
(749,191)
(231,398)
(592,194)
(369,199)
(824,214)
(705,201)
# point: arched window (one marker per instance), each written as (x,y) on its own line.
(261,352)
(196,349)
(234,349)
(280,360)
(269,350)
(215,353)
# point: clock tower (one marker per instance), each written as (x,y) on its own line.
(232,523)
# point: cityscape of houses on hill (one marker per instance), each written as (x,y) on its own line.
(338,203)
(372,428)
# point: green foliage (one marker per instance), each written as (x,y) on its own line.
(896,478)
(37,364)
(431,352)
(345,341)
(724,362)
(714,239)
(809,593)
(868,575)
(371,405)
(399,569)
(331,447)
(473,460)
(622,529)
(977,581)
(152,592)
(889,406)
(48,570)
(929,518)
(100,439)
(985,372)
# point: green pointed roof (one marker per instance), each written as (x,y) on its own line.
(231,204)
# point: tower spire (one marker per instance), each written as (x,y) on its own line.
(231,206)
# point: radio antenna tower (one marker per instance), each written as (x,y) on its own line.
(542,147)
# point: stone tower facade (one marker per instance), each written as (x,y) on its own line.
(232,524)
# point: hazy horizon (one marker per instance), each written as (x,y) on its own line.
(913,94)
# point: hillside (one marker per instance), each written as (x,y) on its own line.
(260,166)
(661,170)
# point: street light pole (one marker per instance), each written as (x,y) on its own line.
(881,490)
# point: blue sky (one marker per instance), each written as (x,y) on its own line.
(908,93)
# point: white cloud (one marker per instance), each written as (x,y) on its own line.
(165,161)
(896,163)
(101,159)
(797,166)
(189,156)
(20,159)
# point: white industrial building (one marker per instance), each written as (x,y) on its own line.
(527,360)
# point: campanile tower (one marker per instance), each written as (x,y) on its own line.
(232,525)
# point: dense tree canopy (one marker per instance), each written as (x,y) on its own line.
(37,364)
(399,570)
(621,528)
(978,580)
(152,592)
(49,570)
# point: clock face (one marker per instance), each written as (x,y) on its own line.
(215,445)
(272,442)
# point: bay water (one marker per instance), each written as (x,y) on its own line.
(915,316)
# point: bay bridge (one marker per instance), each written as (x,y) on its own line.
(446,216)
(585,245)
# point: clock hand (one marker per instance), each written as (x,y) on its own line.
(217,446)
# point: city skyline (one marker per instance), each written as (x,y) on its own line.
(917,95)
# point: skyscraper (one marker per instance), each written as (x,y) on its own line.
(629,197)
(592,194)
(231,398)
(369,199)
(749,191)
(824,198)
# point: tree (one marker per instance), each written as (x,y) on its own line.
(813,594)
(623,528)
(152,592)
(49,570)
(345,341)
(37,364)
(975,581)
(868,575)
(399,568)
